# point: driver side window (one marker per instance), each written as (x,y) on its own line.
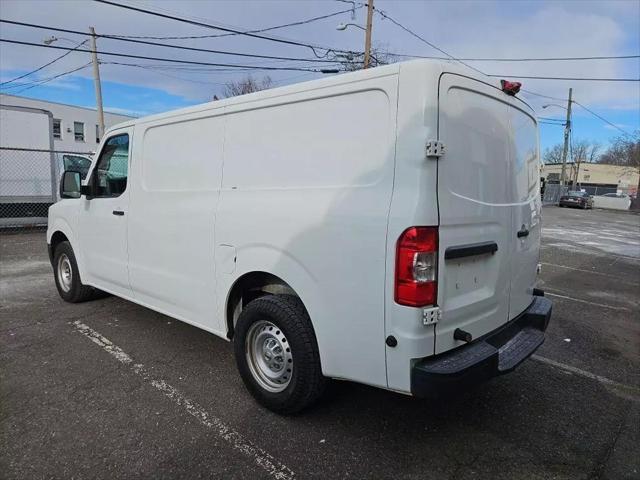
(110,175)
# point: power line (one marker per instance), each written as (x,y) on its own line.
(162,73)
(156,44)
(540,59)
(261,30)
(47,80)
(552,119)
(601,118)
(204,82)
(224,29)
(173,60)
(551,123)
(205,70)
(580,105)
(570,78)
(40,80)
(544,96)
(45,65)
(414,34)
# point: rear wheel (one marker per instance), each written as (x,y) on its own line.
(67,275)
(277,353)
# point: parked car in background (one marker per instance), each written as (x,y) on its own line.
(577,199)
(613,201)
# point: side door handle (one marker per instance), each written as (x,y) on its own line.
(523,232)
(119,213)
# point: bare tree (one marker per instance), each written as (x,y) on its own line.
(583,151)
(247,85)
(625,151)
(553,154)
(586,151)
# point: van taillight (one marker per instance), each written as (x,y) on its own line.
(416,267)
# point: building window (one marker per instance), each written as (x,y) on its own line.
(97,133)
(586,177)
(78,131)
(57,129)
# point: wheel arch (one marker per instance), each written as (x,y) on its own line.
(59,232)
(249,286)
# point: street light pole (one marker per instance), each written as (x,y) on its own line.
(96,82)
(367,38)
(567,131)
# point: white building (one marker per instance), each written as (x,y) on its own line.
(74,128)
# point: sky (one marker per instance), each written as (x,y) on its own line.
(464,29)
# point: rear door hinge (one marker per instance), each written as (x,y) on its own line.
(435,149)
(431,316)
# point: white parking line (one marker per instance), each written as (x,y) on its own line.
(632,393)
(263,459)
(603,305)
(582,270)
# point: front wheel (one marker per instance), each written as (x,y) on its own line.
(277,353)
(67,275)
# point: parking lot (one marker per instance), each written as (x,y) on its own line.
(110,389)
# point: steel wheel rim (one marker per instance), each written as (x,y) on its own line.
(269,356)
(65,273)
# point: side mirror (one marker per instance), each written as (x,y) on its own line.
(70,184)
(87,190)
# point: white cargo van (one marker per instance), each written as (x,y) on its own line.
(381,226)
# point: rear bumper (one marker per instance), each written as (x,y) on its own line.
(497,353)
(573,204)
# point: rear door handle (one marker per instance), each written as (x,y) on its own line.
(469,250)
(119,213)
(523,233)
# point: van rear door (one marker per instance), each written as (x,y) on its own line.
(483,182)
(526,208)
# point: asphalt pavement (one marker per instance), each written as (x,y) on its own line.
(110,389)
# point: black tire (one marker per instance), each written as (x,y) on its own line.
(306,383)
(75,291)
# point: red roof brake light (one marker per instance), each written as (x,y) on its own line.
(510,88)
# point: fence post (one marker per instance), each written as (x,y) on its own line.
(52,159)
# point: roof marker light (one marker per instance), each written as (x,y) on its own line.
(510,88)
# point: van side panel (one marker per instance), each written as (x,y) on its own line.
(176,184)
(305,196)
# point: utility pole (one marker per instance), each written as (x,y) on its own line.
(567,131)
(367,38)
(96,82)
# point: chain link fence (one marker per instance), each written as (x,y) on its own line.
(29,180)
(553,191)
